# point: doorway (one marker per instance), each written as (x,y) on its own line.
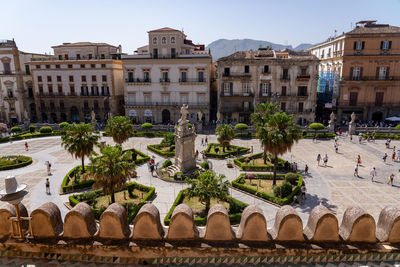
(166,116)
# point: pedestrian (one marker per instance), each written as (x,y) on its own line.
(325,160)
(47,186)
(151,169)
(152,161)
(303,191)
(390,179)
(26,146)
(373,173)
(48,167)
(360,138)
(306,169)
(206,141)
(340,132)
(197,153)
(351,138)
(202,141)
(393,156)
(358,160)
(336,147)
(314,139)
(387,143)
(385,157)
(373,139)
(356,171)
(318,158)
(398,154)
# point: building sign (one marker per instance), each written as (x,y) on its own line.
(328,105)
(132,113)
(148,113)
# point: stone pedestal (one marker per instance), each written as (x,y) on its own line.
(185,156)
(352,128)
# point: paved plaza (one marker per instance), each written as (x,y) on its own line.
(335,184)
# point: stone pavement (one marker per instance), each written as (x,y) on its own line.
(335,184)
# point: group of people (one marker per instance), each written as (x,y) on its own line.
(204,141)
(325,159)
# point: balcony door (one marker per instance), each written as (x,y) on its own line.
(379,99)
(353,98)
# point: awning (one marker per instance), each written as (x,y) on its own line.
(394,118)
(148,113)
(132,113)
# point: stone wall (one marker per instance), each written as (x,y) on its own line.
(113,240)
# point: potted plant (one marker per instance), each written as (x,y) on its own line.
(229,163)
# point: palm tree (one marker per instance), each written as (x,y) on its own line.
(225,134)
(79,141)
(120,128)
(112,169)
(206,187)
(280,135)
(260,121)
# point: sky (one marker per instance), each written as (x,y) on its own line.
(36,25)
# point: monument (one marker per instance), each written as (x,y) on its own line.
(185,157)
(331,126)
(200,121)
(352,126)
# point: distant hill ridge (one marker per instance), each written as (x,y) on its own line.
(224,47)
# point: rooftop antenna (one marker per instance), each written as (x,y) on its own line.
(182,30)
(335,34)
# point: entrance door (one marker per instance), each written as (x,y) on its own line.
(74,114)
(166,116)
(377,116)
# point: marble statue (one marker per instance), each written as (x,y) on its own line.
(185,136)
(352,125)
(331,126)
(184,113)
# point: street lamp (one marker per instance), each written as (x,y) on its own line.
(13,194)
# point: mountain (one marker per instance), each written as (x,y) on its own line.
(303,47)
(225,47)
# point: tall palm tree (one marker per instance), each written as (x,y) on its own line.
(225,134)
(79,141)
(112,169)
(260,119)
(120,128)
(281,134)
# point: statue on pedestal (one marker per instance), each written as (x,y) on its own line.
(184,113)
(331,126)
(185,157)
(200,122)
(352,126)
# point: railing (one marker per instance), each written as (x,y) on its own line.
(297,111)
(7,72)
(236,109)
(54,58)
(195,80)
(137,80)
(368,104)
(303,77)
(285,77)
(50,94)
(225,94)
(236,74)
(177,104)
(372,78)
(165,80)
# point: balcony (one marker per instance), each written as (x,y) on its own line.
(54,58)
(235,94)
(165,80)
(360,105)
(299,111)
(7,73)
(44,95)
(195,80)
(303,77)
(372,78)
(232,109)
(285,78)
(138,81)
(165,104)
(237,75)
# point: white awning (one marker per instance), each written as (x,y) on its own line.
(132,113)
(148,113)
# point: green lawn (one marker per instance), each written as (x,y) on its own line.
(199,208)
(122,197)
(266,185)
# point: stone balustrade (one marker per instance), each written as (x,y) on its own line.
(357,231)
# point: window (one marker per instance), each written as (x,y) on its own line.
(86,104)
(323,54)
(102,56)
(246,106)
(59,89)
(303,71)
(90,56)
(58,78)
(39,79)
(40,90)
(131,99)
(69,66)
(146,76)
(82,66)
(283,106)
(48,78)
(379,99)
(155,53)
(183,76)
(383,73)
(12,106)
(266,69)
(104,78)
(106,105)
(201,98)
(302,91)
(57,66)
(96,104)
(66,56)
(283,92)
(147,98)
(10,91)
(227,89)
(173,53)
(62,106)
(386,45)
(184,98)
(164,76)
(38,66)
(265,89)
(246,69)
(47,66)
(72,89)
(78,56)
(227,71)
(301,107)
(103,65)
(42,104)
(93,78)
(60,57)
(50,88)
(30,91)
(285,74)
(165,98)
(93,66)
(83,78)
(329,53)
(172,40)
(353,98)
(163,40)
(246,89)
(71,79)
(358,45)
(356,73)
(200,76)
(154,40)
(130,76)
(52,105)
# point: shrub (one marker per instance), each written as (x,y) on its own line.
(172,148)
(167,163)
(286,189)
(291,178)
(235,207)
(277,191)
(16,129)
(397,127)
(205,165)
(216,150)
(32,128)
(316,126)
(63,125)
(45,129)
(168,140)
(147,126)
(241,127)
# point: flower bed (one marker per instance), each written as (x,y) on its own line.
(231,150)
(162,150)
(238,183)
(132,203)
(14,162)
(283,165)
(235,209)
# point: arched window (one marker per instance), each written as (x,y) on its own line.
(155,40)
(172,40)
(164,40)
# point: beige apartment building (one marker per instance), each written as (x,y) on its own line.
(247,78)
(81,79)
(16,93)
(165,74)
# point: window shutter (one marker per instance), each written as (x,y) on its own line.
(377,72)
(361,71)
(231,88)
(381,45)
(260,89)
(355,45)
(390,44)
(351,71)
(387,72)
(362,45)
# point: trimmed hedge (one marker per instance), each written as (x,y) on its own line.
(308,135)
(155,149)
(233,218)
(392,136)
(147,126)
(272,198)
(150,191)
(15,129)
(27,135)
(45,129)
(25,162)
(65,188)
(241,127)
(283,165)
(240,150)
(144,158)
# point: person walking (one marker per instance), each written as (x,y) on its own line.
(393,155)
(206,141)
(26,146)
(360,138)
(356,171)
(303,191)
(358,160)
(390,179)
(48,167)
(318,158)
(336,147)
(385,157)
(325,160)
(47,186)
(202,141)
(387,143)
(306,169)
(197,153)
(373,173)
